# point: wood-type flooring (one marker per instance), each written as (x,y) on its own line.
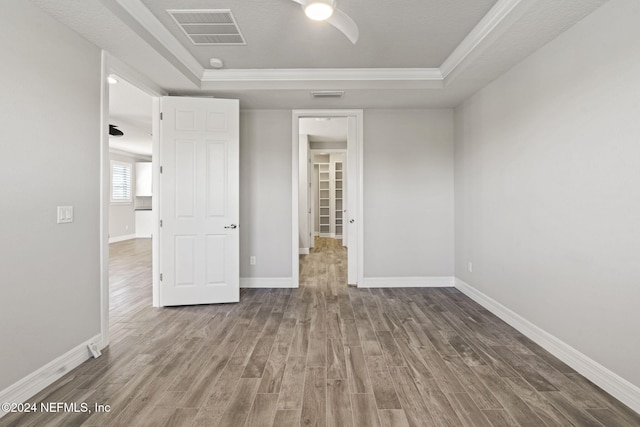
(321,355)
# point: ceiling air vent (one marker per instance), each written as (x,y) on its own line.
(208,26)
(327,93)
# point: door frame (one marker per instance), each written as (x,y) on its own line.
(355,163)
(111,65)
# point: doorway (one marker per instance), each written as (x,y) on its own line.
(130,102)
(328,203)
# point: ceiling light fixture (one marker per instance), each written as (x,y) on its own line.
(319,10)
(112,80)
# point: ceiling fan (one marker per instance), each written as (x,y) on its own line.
(114,131)
(325,10)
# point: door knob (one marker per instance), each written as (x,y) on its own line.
(232,226)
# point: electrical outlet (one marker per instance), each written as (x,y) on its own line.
(65,214)
(252,260)
(470,267)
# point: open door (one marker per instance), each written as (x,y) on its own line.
(199,201)
(350,215)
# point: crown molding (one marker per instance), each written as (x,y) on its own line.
(166,40)
(322,78)
(135,156)
(321,74)
(496,17)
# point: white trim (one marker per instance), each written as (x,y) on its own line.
(323,74)
(407,282)
(105,196)
(266,282)
(38,380)
(122,70)
(150,29)
(135,156)
(161,38)
(303,251)
(155,202)
(609,381)
(295,200)
(358,162)
(121,238)
(496,16)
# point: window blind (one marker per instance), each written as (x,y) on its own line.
(120,182)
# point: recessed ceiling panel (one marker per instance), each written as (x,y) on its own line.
(278,35)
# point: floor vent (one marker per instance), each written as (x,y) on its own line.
(208,26)
(327,93)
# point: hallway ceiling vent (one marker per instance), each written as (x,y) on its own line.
(208,26)
(327,93)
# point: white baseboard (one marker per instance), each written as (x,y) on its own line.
(607,380)
(407,282)
(303,251)
(37,381)
(121,238)
(266,282)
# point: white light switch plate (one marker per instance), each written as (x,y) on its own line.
(65,214)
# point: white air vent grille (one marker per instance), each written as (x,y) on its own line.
(327,93)
(208,26)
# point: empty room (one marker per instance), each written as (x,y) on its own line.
(320,213)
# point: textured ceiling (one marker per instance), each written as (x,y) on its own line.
(393,34)
(130,110)
(467,50)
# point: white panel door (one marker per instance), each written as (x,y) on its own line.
(349,218)
(199,201)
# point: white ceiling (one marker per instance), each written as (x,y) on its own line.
(400,34)
(325,129)
(411,53)
(130,110)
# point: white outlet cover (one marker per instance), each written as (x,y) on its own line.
(65,214)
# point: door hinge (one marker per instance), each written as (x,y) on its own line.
(161,277)
(161,116)
(161,170)
(160,223)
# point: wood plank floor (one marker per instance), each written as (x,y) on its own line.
(321,355)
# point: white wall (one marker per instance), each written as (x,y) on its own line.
(265,193)
(122,215)
(49,156)
(408,193)
(548,184)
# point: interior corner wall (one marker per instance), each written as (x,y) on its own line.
(547,188)
(122,219)
(265,193)
(408,193)
(50,82)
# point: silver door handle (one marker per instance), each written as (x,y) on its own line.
(352,221)
(232,226)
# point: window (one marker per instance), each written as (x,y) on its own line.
(120,182)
